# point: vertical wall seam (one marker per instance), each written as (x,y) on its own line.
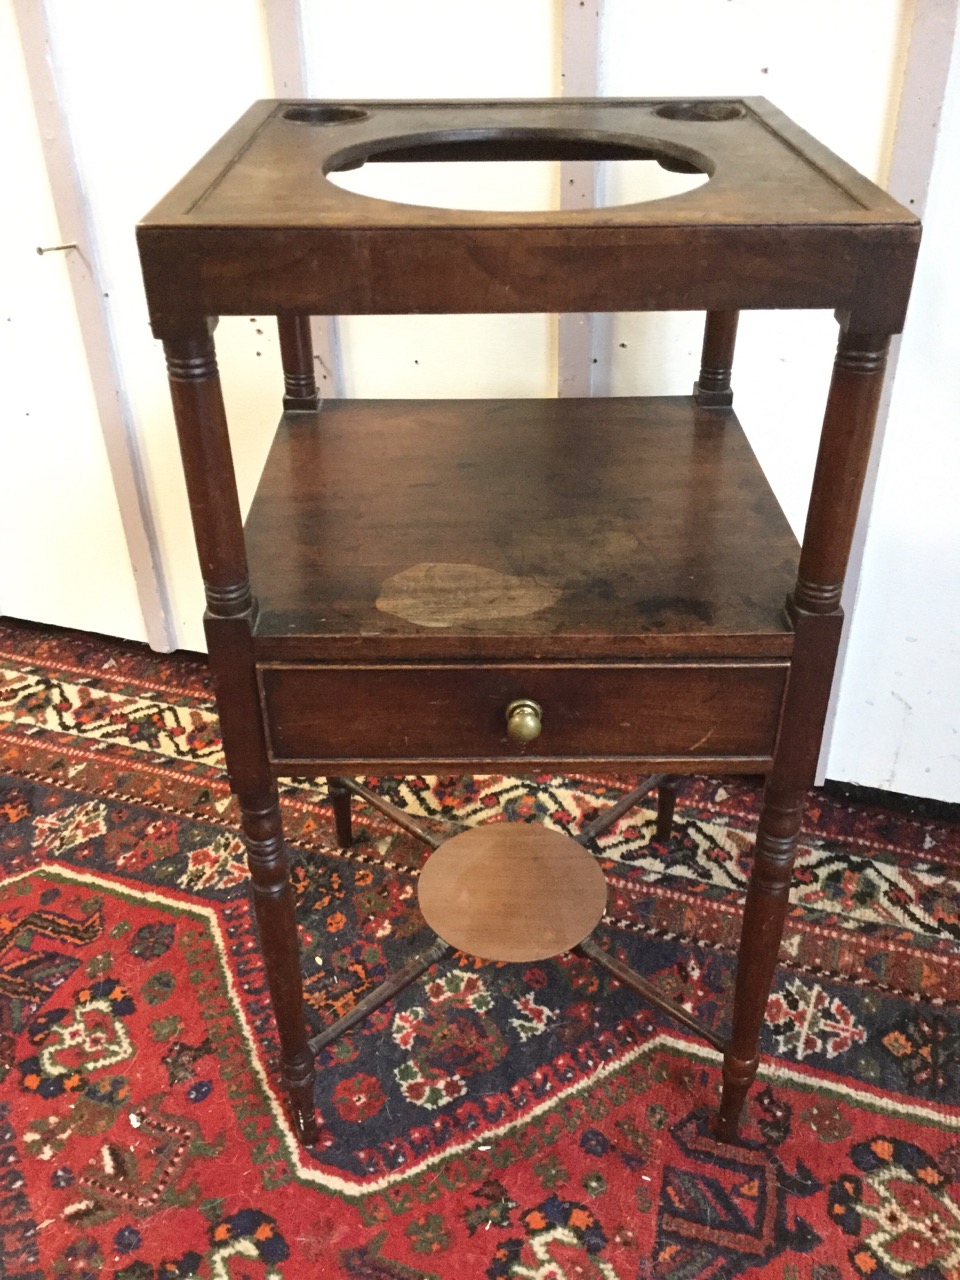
(85,272)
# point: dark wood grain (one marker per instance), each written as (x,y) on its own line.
(402,715)
(258,226)
(522,269)
(214,505)
(666,804)
(339,794)
(296,353)
(651,548)
(712,389)
(204,440)
(841,465)
(778,830)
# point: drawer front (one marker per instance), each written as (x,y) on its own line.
(454,713)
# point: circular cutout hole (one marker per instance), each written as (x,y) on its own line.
(518,169)
(702,112)
(319,113)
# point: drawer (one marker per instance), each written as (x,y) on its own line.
(456,713)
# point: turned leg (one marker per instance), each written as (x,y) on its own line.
(666,804)
(768,897)
(712,389)
(815,615)
(280,943)
(218,528)
(296,354)
(339,794)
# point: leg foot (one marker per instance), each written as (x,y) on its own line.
(738,1076)
(280,943)
(302,1110)
(340,799)
(767,900)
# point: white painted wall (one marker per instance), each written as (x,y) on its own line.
(800,57)
(434,49)
(147,87)
(64,555)
(898,718)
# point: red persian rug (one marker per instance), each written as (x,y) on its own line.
(494,1121)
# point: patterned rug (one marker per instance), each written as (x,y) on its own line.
(495,1120)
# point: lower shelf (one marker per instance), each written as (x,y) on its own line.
(512,531)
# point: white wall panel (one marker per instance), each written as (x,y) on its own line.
(435,49)
(830,64)
(148,88)
(430,48)
(64,553)
(835,67)
(898,720)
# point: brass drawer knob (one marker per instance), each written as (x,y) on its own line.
(524,720)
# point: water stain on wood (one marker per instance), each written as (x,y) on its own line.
(447,595)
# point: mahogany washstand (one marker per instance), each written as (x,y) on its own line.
(465,586)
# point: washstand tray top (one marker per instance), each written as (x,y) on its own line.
(270,169)
(809,229)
